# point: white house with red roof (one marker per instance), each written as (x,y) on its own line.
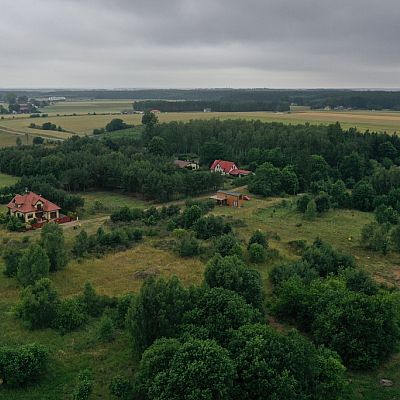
(31,206)
(228,168)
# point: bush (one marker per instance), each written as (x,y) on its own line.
(52,241)
(39,304)
(189,246)
(311,210)
(302,203)
(84,386)
(259,238)
(322,203)
(257,253)
(94,304)
(386,215)
(282,273)
(70,315)
(227,245)
(106,329)
(121,388)
(375,237)
(23,365)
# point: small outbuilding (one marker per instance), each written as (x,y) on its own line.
(227,198)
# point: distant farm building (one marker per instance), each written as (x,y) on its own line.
(192,165)
(228,168)
(57,98)
(226,198)
(296,108)
(33,207)
(207,110)
(155,111)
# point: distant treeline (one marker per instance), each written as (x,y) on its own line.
(316,98)
(200,105)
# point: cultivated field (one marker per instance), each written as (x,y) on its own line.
(83,123)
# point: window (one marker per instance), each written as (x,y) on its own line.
(30,216)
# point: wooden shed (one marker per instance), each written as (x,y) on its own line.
(227,198)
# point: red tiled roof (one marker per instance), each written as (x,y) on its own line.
(226,166)
(26,203)
(240,172)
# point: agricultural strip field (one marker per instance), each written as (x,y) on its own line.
(84,124)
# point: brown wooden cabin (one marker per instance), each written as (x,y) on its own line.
(226,198)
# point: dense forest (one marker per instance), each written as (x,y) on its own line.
(316,98)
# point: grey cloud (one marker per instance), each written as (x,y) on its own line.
(188,43)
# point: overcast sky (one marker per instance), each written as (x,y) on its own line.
(199,43)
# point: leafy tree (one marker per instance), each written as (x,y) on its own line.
(156,312)
(11,256)
(211,151)
(191,215)
(386,215)
(339,196)
(302,270)
(52,241)
(352,167)
(259,238)
(38,140)
(149,119)
(358,280)
(216,313)
(325,259)
(22,365)
(116,124)
(81,244)
(362,197)
(210,226)
(157,145)
(33,265)
(290,182)
(276,366)
(257,253)
(267,180)
(93,303)
(39,304)
(231,273)
(203,359)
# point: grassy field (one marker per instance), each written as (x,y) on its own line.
(84,124)
(116,273)
(88,106)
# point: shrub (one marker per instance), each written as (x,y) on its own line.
(322,203)
(124,302)
(70,315)
(375,237)
(52,241)
(93,303)
(311,210)
(106,329)
(259,238)
(23,365)
(189,246)
(281,273)
(81,244)
(257,253)
(84,386)
(227,245)
(386,215)
(121,388)
(302,203)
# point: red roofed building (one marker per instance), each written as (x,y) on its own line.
(30,206)
(228,168)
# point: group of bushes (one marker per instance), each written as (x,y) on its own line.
(102,241)
(211,342)
(29,264)
(150,216)
(339,305)
(41,307)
